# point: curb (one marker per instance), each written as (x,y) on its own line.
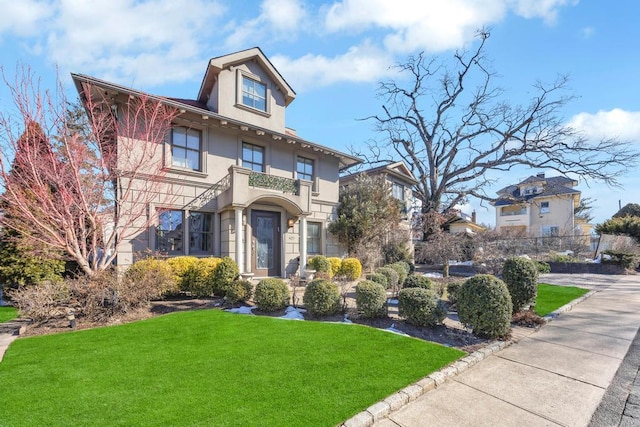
(7,338)
(403,397)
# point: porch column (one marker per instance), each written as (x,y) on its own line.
(239,240)
(303,247)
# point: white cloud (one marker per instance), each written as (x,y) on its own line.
(23,17)
(616,123)
(431,25)
(278,18)
(545,9)
(363,63)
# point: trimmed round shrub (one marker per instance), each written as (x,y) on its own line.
(320,264)
(271,294)
(392,276)
(239,291)
(521,277)
(351,268)
(452,291)
(321,297)
(335,263)
(421,307)
(153,273)
(378,278)
(370,299)
(417,281)
(543,267)
(197,278)
(223,275)
(180,264)
(402,268)
(484,304)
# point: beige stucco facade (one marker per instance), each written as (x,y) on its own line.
(236,182)
(541,207)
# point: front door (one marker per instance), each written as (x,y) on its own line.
(265,243)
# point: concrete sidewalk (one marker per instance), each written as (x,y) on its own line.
(556,376)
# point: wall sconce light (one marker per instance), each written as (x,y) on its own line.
(291,222)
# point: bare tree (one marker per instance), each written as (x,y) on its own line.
(452,125)
(79,182)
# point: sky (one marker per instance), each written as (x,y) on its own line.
(335,53)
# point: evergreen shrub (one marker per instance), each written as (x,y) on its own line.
(421,307)
(271,294)
(321,297)
(521,277)
(370,299)
(484,304)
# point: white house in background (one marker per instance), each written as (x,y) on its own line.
(244,184)
(541,207)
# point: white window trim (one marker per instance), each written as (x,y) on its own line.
(240,74)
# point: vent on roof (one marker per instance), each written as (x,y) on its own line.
(540,175)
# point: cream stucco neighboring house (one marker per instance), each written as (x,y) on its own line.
(541,206)
(241,183)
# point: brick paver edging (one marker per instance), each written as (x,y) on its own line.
(384,408)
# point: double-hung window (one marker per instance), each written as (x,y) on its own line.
(186,148)
(544,207)
(304,168)
(200,233)
(253,157)
(314,238)
(398,191)
(169,232)
(254,94)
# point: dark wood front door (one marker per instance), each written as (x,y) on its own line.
(265,243)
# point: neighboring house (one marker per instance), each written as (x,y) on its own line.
(243,184)
(459,222)
(541,207)
(402,182)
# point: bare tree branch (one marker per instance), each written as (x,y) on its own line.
(452,126)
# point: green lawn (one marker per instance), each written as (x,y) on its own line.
(7,313)
(209,367)
(551,298)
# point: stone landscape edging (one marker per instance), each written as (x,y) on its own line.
(382,409)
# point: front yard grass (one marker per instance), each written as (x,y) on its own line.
(551,297)
(209,367)
(7,313)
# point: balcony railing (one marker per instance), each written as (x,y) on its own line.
(513,213)
(262,180)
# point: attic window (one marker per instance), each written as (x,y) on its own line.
(254,94)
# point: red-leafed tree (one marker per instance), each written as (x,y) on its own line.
(79,179)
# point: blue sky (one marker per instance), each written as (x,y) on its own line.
(334,54)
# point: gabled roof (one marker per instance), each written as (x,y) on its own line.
(552,186)
(398,170)
(219,63)
(103,90)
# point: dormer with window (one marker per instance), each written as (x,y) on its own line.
(245,86)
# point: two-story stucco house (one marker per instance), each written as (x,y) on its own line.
(243,184)
(540,207)
(401,181)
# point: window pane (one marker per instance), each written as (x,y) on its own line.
(178,136)
(313,238)
(193,160)
(260,104)
(179,157)
(169,231)
(260,89)
(257,155)
(193,139)
(200,233)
